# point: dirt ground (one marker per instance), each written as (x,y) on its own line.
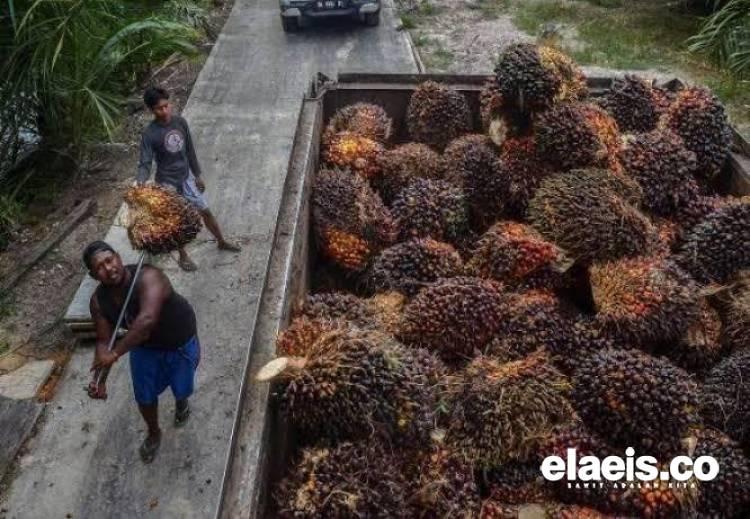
(31,316)
(466,36)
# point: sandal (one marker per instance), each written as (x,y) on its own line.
(181,416)
(229,246)
(187,265)
(149,448)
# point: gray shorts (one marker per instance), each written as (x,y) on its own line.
(191,193)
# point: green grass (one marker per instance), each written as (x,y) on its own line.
(490,9)
(408,21)
(628,35)
(441,58)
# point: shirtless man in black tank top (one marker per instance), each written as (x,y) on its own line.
(161,336)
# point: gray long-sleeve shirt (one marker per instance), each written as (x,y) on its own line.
(172,147)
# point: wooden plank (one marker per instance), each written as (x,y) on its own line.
(80,213)
(17,419)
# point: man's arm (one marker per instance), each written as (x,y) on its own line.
(153,291)
(195,167)
(102,328)
(145,160)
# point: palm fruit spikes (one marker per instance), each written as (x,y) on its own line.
(443,485)
(409,266)
(535,319)
(362,479)
(437,114)
(159,219)
(664,169)
(587,213)
(523,166)
(354,381)
(518,256)
(499,411)
(728,495)
(697,116)
(350,221)
(635,104)
(404,163)
(634,399)
(718,247)
(381,311)
(533,78)
(736,313)
(297,339)
(577,135)
(725,396)
(472,162)
(701,346)
(454,317)
(515,484)
(431,209)
(643,300)
(365,119)
(353,151)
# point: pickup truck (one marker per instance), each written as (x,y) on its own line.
(299,13)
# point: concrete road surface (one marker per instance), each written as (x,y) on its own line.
(83,463)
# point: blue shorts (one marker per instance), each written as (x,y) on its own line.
(153,370)
(192,194)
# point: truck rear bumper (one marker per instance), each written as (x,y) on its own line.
(308,12)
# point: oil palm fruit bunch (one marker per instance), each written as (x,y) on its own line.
(636,104)
(523,165)
(381,311)
(534,320)
(499,411)
(736,313)
(634,399)
(515,483)
(534,78)
(360,479)
(587,213)
(472,162)
(643,300)
(454,317)
(728,495)
(432,209)
(437,114)
(725,396)
(404,163)
(575,512)
(159,219)
(577,135)
(443,485)
(351,222)
(365,119)
(659,500)
(664,169)
(518,256)
(698,118)
(297,339)
(406,267)
(576,336)
(701,345)
(718,247)
(354,381)
(501,120)
(349,150)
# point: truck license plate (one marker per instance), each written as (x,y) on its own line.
(331,4)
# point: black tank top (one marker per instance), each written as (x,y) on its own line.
(176,324)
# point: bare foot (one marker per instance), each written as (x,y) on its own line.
(187,265)
(229,246)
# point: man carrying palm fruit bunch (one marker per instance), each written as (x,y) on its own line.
(162,337)
(167,139)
